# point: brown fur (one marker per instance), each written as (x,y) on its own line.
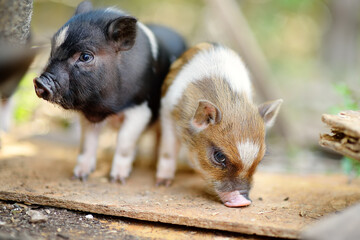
(218,125)
(180,62)
(240,121)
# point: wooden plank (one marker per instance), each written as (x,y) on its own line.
(39,172)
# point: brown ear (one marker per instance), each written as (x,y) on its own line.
(122,31)
(206,113)
(84,7)
(269,111)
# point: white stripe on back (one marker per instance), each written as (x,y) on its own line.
(150,35)
(218,62)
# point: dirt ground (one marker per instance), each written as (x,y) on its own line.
(15,223)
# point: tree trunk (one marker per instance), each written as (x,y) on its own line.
(15,20)
(340,50)
(228,14)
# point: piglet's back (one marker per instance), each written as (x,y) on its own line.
(178,65)
(210,71)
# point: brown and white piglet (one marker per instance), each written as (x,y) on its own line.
(207,106)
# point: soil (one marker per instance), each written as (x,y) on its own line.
(61,224)
(67,224)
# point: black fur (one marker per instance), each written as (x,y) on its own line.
(123,72)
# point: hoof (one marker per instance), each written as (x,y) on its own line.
(163,182)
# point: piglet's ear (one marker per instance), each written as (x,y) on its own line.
(206,113)
(84,7)
(122,31)
(269,111)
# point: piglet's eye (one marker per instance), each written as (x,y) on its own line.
(219,158)
(86,57)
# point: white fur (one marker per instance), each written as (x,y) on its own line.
(86,161)
(136,120)
(113,10)
(6,112)
(61,37)
(218,62)
(248,151)
(152,40)
(169,148)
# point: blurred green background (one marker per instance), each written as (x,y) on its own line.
(311,50)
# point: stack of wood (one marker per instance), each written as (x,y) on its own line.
(345,133)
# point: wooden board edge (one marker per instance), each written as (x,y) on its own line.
(147,216)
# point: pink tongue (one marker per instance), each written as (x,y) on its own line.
(234,199)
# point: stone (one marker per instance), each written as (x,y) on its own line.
(36,216)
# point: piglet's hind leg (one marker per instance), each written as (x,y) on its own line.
(86,161)
(135,121)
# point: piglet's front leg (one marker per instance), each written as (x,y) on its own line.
(169,148)
(6,110)
(135,121)
(86,161)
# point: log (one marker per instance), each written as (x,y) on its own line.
(345,133)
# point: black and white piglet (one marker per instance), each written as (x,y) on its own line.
(104,62)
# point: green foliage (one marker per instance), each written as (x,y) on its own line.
(349,102)
(350,165)
(289,33)
(26,100)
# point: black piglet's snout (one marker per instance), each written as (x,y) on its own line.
(43,88)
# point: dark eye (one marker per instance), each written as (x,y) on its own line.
(86,57)
(219,158)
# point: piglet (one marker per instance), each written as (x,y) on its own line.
(207,106)
(105,63)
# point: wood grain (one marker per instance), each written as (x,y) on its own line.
(345,133)
(39,172)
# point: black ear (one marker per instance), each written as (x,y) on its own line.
(122,31)
(84,7)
